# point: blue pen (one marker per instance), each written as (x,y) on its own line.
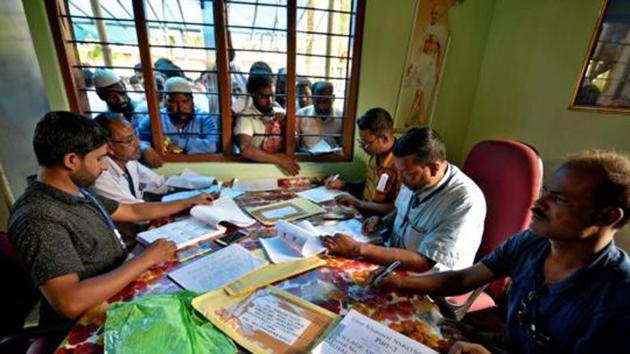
(384,274)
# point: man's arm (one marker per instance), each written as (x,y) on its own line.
(149,211)
(346,246)
(454,282)
(71,297)
(253,153)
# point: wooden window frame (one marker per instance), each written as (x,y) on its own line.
(68,58)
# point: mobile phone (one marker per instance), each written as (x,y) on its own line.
(230,238)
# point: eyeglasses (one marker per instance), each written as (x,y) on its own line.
(365,144)
(526,317)
(130,140)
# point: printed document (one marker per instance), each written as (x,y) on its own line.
(360,334)
(217,269)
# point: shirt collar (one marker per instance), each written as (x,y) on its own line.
(55,193)
(592,269)
(447,174)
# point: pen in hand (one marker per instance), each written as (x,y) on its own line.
(384,274)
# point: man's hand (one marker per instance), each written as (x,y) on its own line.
(343,245)
(371,225)
(159,251)
(468,348)
(151,158)
(348,200)
(390,282)
(203,199)
(288,164)
(334,183)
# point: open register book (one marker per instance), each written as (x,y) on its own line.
(303,240)
(204,224)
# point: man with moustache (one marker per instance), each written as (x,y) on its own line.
(259,129)
(321,120)
(125,179)
(65,233)
(570,283)
(438,217)
(187,128)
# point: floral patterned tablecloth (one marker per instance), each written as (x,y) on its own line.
(339,286)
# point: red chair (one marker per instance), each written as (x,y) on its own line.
(509,174)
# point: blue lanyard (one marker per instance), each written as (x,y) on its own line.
(108,219)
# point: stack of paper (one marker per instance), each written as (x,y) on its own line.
(217,269)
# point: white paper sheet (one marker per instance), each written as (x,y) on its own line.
(320,194)
(360,334)
(190,182)
(217,269)
(222,209)
(256,185)
(322,147)
(350,227)
(183,233)
(189,194)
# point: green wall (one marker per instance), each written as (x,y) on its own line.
(533,57)
(387,28)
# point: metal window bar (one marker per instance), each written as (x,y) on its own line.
(292,2)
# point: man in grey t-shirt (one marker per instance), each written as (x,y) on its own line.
(65,234)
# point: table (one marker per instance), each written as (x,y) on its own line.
(336,287)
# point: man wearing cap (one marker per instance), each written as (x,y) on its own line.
(187,128)
(111,89)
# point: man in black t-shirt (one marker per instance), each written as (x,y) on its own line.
(66,234)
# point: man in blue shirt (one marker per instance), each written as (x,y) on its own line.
(187,128)
(570,283)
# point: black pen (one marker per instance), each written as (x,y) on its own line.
(384,274)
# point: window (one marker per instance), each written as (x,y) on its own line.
(309,49)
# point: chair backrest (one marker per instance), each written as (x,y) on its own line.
(19,296)
(509,174)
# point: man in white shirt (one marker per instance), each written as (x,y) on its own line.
(126,179)
(320,121)
(259,129)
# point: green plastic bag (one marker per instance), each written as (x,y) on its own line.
(162,324)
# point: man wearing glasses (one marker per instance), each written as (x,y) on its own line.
(439,215)
(570,283)
(381,185)
(125,179)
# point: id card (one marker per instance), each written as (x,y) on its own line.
(382,182)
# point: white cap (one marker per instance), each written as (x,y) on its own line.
(177,84)
(104,78)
